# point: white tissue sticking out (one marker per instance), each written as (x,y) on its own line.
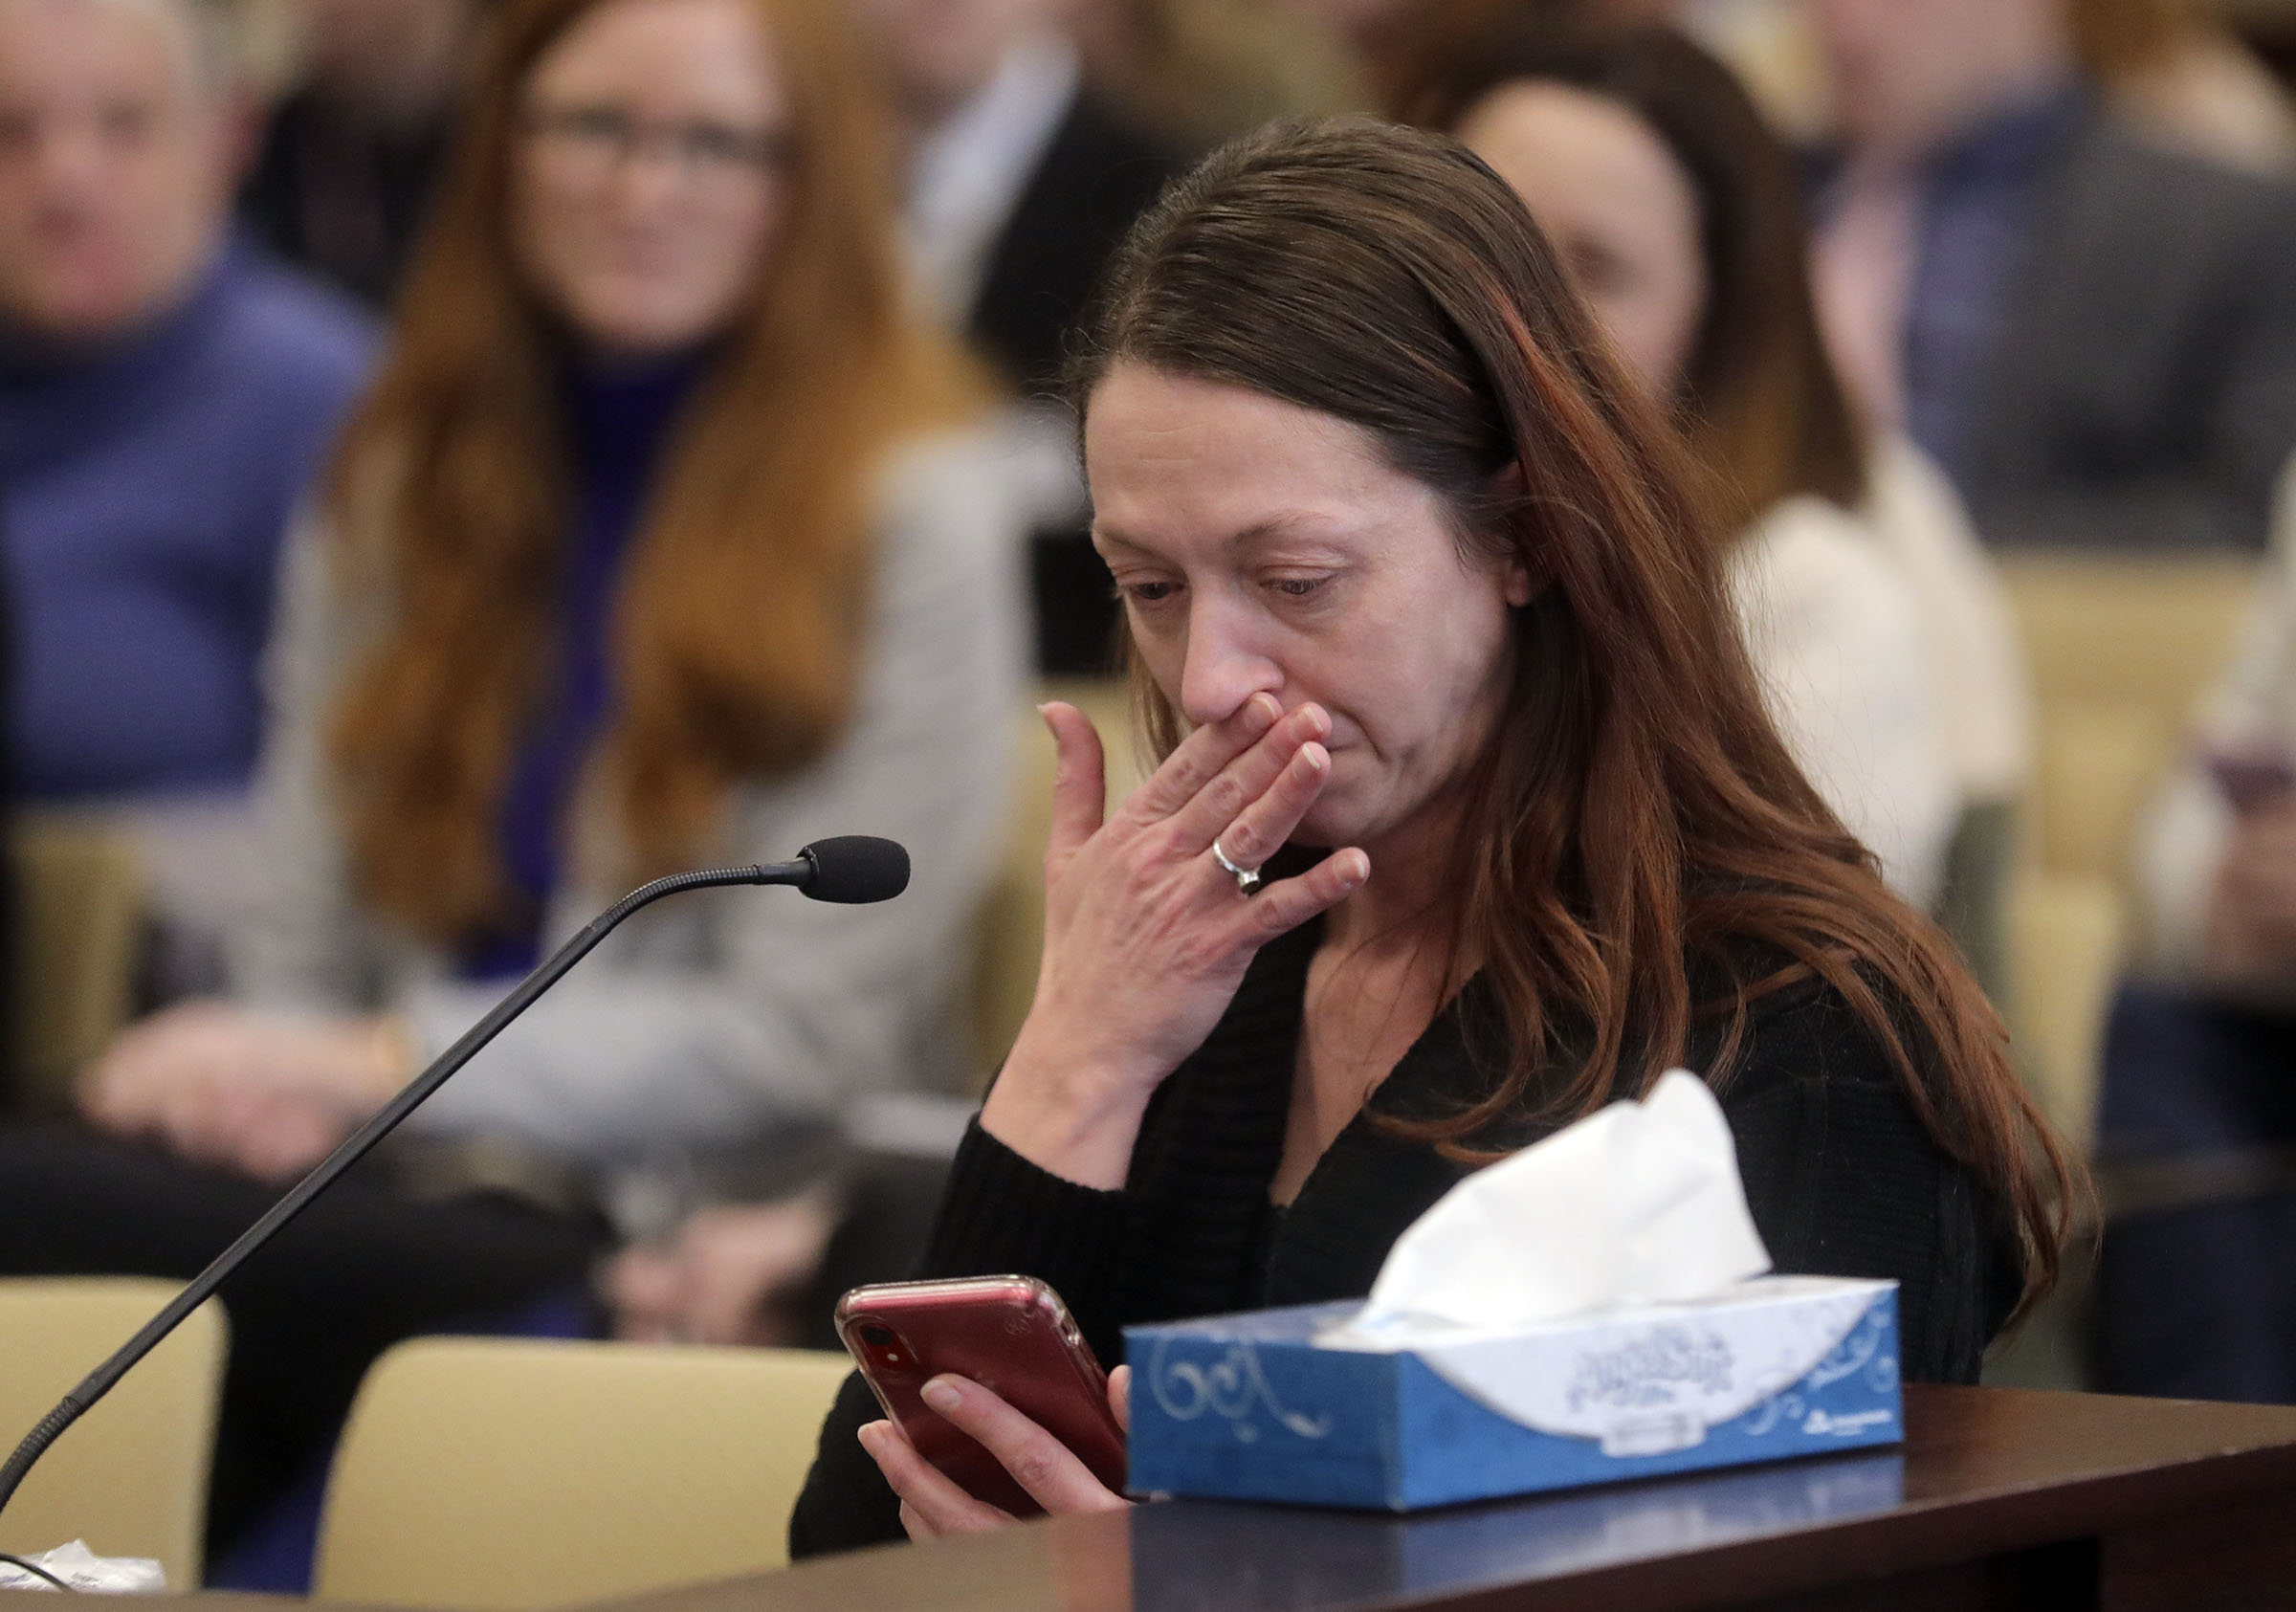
(84,1570)
(1640,1203)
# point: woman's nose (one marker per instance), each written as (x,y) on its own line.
(1225,667)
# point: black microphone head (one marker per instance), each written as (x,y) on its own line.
(855,869)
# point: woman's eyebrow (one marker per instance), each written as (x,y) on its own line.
(1273,528)
(1104,537)
(1312,524)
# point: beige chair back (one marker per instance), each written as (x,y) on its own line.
(130,1477)
(2066,934)
(510,1474)
(1011,928)
(79,905)
(2119,651)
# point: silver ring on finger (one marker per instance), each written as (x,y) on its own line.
(1247,879)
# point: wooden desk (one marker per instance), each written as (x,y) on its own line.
(1999,1498)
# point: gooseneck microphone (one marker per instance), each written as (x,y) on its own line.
(852,869)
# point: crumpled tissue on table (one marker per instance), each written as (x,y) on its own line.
(84,1570)
(1639,1203)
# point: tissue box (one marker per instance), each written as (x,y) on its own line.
(1252,1408)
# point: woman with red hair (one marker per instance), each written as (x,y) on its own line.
(1469,820)
(660,541)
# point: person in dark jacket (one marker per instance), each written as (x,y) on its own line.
(1021,181)
(2092,334)
(349,156)
(1469,820)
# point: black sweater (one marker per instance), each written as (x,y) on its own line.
(1840,1175)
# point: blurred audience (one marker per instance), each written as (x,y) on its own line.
(1198,72)
(1372,27)
(1676,213)
(2198,1116)
(2177,71)
(1403,44)
(1020,183)
(165,393)
(1019,180)
(1394,44)
(2174,66)
(768,1268)
(349,157)
(2093,335)
(655,546)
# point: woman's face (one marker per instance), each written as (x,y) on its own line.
(1621,212)
(1261,545)
(647,178)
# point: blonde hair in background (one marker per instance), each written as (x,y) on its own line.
(1200,71)
(734,638)
(2177,68)
(2117,37)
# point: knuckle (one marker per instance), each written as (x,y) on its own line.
(1032,1466)
(1276,912)
(1203,955)
(1181,772)
(1138,810)
(1224,795)
(1174,844)
(1139,879)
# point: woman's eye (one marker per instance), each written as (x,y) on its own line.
(1149,592)
(1296,587)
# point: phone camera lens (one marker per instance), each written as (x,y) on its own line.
(876,1337)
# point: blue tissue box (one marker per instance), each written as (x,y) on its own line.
(1251,1408)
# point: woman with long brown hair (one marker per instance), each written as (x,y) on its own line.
(1878,626)
(658,543)
(1469,820)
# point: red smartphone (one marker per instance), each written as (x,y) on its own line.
(1010,1333)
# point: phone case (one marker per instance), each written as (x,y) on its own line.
(1010,1333)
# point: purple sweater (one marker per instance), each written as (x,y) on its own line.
(144,487)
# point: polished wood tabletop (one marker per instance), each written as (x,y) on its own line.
(1999,1498)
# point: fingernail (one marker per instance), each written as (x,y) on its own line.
(939,1395)
(1264,710)
(1314,755)
(872,1434)
(1355,867)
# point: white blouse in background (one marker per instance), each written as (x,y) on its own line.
(1984,697)
(1837,642)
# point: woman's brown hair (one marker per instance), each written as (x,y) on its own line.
(2121,39)
(736,627)
(1636,821)
(1759,397)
